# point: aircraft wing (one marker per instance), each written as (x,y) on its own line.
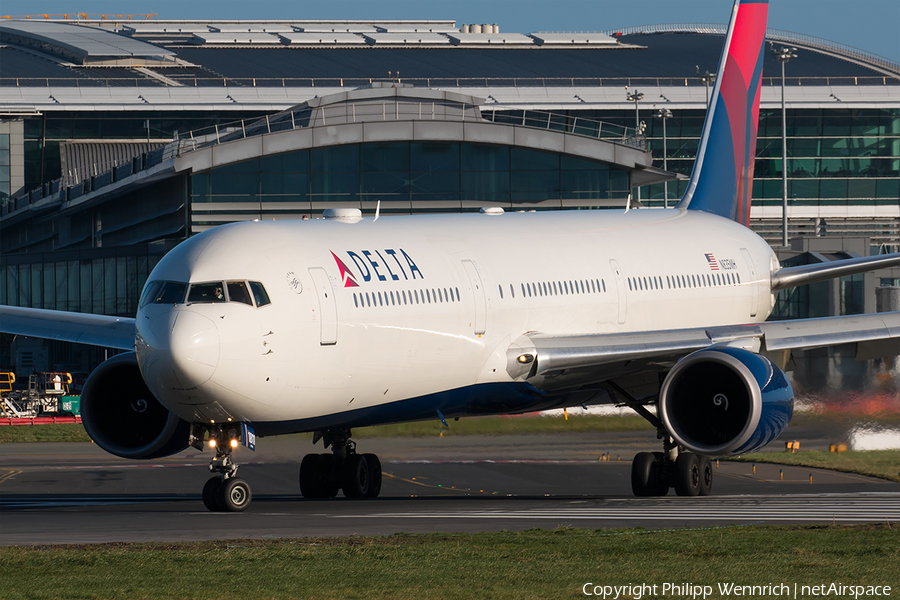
(554,361)
(94,330)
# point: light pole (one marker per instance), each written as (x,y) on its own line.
(783,55)
(707,79)
(664,114)
(635,97)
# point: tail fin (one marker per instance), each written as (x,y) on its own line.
(722,180)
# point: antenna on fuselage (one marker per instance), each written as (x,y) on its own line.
(377,210)
(630,201)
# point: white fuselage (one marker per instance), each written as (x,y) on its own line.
(427,304)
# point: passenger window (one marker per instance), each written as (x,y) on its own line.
(238,292)
(259,293)
(207,292)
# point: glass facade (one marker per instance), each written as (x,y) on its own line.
(405,177)
(5,177)
(835,156)
(42,164)
(101,281)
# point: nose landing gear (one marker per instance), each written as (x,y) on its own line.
(225,492)
(322,475)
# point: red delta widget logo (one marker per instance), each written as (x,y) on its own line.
(372,264)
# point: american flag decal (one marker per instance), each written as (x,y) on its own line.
(713,265)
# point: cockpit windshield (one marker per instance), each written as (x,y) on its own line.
(259,292)
(237,292)
(164,292)
(208,292)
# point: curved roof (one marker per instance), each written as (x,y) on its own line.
(775,35)
(79,44)
(662,54)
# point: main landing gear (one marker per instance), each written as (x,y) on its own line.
(225,492)
(323,475)
(653,473)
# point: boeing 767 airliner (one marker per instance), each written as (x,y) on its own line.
(265,328)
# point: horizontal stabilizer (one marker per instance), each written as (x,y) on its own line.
(94,330)
(804,274)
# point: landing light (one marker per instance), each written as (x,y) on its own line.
(234,443)
(212,443)
(525,358)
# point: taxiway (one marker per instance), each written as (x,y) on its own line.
(76,493)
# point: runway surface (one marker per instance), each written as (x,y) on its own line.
(76,493)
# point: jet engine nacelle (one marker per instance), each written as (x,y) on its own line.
(124,418)
(724,401)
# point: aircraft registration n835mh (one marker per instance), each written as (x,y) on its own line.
(264,328)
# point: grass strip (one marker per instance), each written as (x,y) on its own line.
(51,432)
(877,463)
(531,564)
(74,432)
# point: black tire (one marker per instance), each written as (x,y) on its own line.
(234,495)
(643,474)
(355,476)
(210,489)
(310,476)
(329,476)
(687,474)
(706,476)
(662,477)
(374,465)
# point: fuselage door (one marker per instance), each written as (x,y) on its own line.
(754,285)
(327,305)
(620,289)
(477,286)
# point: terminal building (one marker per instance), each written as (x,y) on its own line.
(120,138)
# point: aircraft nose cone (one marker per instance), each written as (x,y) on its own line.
(179,349)
(194,344)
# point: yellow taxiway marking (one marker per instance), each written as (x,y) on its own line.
(436,487)
(409,480)
(10,473)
